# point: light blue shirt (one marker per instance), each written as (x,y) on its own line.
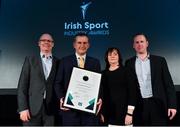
(143,72)
(47,64)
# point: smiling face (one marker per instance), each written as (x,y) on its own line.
(46,43)
(81,45)
(140,44)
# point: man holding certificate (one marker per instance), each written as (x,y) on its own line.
(71,116)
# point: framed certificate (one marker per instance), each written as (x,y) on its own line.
(83,90)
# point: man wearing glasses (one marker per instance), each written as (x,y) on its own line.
(35,88)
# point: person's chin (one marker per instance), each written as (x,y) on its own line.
(82,53)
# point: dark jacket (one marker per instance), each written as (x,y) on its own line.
(162,84)
(32,84)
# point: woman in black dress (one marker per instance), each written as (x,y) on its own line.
(119,91)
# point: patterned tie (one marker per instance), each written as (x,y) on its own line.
(81,62)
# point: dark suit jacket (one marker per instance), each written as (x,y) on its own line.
(65,70)
(32,84)
(162,84)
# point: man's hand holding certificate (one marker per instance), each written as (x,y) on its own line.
(83,90)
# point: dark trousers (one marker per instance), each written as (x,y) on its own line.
(78,118)
(151,112)
(41,119)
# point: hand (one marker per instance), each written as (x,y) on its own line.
(25,115)
(99,104)
(128,120)
(61,105)
(102,118)
(171,113)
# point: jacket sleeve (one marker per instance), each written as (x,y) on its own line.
(98,69)
(104,94)
(98,66)
(132,87)
(169,86)
(23,86)
(59,81)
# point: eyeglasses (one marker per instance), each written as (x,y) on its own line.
(46,40)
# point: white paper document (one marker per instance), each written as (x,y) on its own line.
(83,90)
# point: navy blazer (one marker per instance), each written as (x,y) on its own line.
(65,69)
(162,84)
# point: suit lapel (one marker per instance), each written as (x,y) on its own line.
(152,66)
(134,68)
(53,68)
(74,61)
(134,64)
(87,63)
(41,68)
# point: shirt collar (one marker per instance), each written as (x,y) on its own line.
(146,58)
(43,55)
(77,56)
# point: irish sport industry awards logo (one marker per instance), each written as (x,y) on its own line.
(83,24)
